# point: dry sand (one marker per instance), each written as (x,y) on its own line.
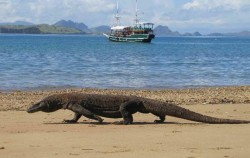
(43,135)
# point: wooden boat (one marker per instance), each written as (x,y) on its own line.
(139,32)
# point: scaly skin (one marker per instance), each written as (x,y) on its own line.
(117,106)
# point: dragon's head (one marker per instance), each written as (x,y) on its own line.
(49,104)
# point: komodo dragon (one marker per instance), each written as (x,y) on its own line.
(117,106)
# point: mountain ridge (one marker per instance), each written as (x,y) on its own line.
(23,23)
(71,24)
(71,27)
(38,29)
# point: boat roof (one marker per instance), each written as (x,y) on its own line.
(123,27)
(146,23)
(118,27)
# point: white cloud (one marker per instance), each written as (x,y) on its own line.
(223,5)
(5,9)
(49,11)
(225,15)
(3,2)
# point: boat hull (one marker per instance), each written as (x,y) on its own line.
(145,38)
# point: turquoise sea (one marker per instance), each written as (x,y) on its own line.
(65,61)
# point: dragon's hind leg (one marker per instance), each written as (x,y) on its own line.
(127,109)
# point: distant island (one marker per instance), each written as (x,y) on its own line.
(165,31)
(71,27)
(60,27)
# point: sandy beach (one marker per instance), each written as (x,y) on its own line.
(44,135)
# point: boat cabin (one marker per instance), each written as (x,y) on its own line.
(120,31)
(139,28)
(143,28)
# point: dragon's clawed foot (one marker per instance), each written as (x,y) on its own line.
(100,120)
(69,121)
(118,123)
(158,121)
(124,122)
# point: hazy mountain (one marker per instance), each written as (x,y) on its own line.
(75,25)
(100,29)
(241,34)
(197,34)
(192,34)
(215,34)
(84,28)
(23,23)
(165,31)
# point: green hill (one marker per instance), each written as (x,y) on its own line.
(38,29)
(51,29)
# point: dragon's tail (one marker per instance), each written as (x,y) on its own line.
(177,111)
(193,116)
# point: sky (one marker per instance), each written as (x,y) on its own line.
(205,16)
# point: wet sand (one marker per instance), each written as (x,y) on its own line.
(44,135)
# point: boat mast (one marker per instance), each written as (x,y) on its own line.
(117,17)
(136,14)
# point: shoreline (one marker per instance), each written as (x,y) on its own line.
(19,100)
(53,88)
